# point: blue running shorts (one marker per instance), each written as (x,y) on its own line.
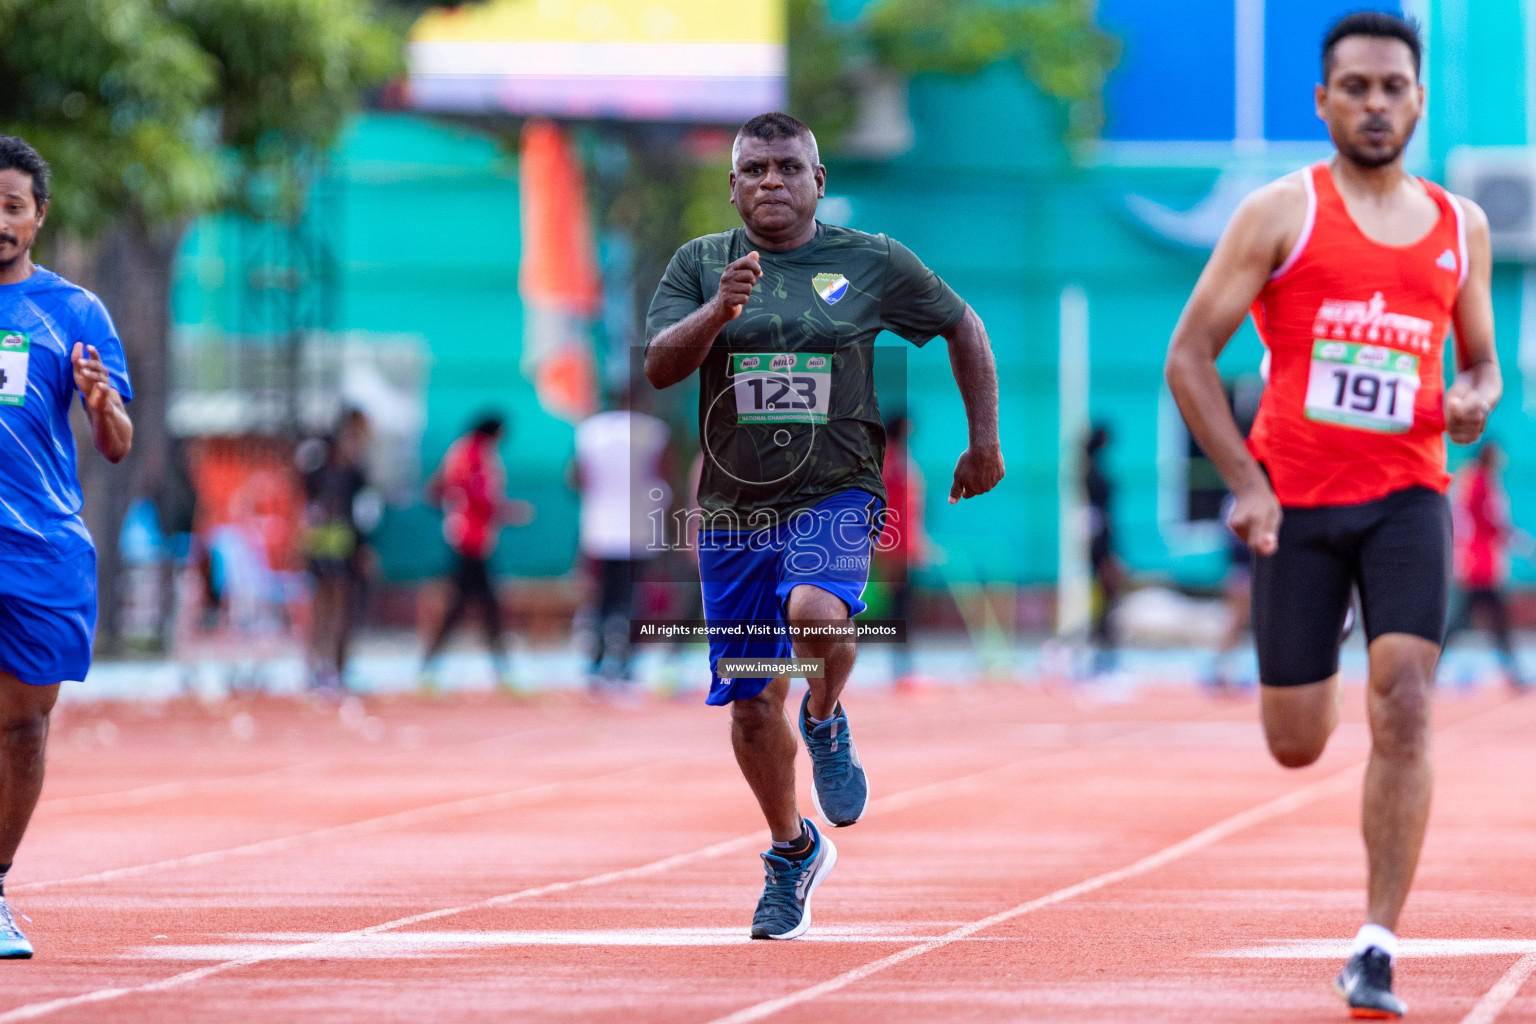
(48,618)
(747,577)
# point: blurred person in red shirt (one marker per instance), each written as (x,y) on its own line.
(904,546)
(470,487)
(1483,536)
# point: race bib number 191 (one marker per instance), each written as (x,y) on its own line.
(15,349)
(781,387)
(1367,387)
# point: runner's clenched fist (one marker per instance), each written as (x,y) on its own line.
(736,284)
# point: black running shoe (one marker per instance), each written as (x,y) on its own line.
(1365,984)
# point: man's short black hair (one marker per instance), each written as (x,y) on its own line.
(490,424)
(17,155)
(776,125)
(1377,24)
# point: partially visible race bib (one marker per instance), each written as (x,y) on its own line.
(1367,387)
(15,356)
(782,387)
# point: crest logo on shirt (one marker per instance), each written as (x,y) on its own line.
(1447,261)
(830,287)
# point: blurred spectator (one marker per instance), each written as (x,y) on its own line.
(904,544)
(619,472)
(1484,534)
(340,510)
(176,504)
(1108,571)
(470,487)
(250,517)
(1237,595)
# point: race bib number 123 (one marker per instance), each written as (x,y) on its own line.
(1367,387)
(781,387)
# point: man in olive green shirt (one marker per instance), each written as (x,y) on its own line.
(779,317)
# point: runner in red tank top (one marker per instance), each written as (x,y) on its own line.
(1354,272)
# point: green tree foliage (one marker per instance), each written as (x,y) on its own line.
(289,72)
(110,91)
(823,90)
(150,108)
(1055,42)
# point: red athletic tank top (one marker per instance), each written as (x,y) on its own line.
(1355,337)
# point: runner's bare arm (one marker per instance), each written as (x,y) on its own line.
(1254,243)
(970,358)
(1478,385)
(111,429)
(676,352)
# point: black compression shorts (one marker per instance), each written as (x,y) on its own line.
(1396,550)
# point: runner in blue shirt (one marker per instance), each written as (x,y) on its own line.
(56,340)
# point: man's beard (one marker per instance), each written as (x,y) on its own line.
(6,263)
(1370,160)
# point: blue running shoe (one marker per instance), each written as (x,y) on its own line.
(1365,984)
(840,790)
(785,908)
(13,944)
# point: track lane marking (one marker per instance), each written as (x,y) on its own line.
(154,792)
(396,819)
(894,802)
(1502,993)
(473,805)
(1206,837)
(142,795)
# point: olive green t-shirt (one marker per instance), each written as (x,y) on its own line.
(787,409)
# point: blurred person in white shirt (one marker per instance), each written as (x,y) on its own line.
(619,474)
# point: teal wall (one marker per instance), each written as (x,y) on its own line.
(432,247)
(1479,92)
(427,232)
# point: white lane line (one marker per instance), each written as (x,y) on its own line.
(1504,990)
(141,795)
(1338,949)
(895,801)
(1167,855)
(496,801)
(414,945)
(399,819)
(1200,840)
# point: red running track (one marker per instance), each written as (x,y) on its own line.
(1027,857)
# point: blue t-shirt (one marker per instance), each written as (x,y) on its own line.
(41,319)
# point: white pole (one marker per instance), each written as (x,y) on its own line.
(1073,585)
(1419,151)
(1526,357)
(1248,115)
